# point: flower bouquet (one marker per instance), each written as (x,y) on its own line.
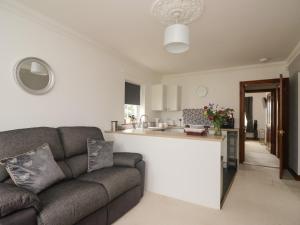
(217,115)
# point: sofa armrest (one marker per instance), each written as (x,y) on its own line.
(127,159)
(13,198)
(135,160)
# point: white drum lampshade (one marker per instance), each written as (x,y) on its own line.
(177,38)
(38,69)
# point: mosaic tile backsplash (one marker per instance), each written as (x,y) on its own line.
(195,117)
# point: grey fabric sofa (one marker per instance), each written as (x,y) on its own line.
(96,198)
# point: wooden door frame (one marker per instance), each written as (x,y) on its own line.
(243,85)
(274,125)
(282,134)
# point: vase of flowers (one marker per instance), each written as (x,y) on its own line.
(217,115)
(132,121)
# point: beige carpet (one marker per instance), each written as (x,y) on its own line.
(257,154)
(257,197)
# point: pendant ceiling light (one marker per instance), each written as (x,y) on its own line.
(38,69)
(176,14)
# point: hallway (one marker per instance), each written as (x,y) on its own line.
(257,154)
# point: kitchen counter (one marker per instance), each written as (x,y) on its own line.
(230,129)
(181,166)
(168,134)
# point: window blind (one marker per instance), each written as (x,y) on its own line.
(132,94)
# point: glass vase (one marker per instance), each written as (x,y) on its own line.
(217,128)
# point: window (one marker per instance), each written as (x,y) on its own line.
(132,101)
(131,110)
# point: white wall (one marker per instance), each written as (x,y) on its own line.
(89,87)
(259,111)
(223,86)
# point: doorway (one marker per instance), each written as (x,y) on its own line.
(262,143)
(260,120)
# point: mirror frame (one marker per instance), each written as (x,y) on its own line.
(27,89)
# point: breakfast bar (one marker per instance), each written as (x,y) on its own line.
(180,166)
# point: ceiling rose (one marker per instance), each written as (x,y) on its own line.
(176,14)
(177,11)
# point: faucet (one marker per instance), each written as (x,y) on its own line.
(143,124)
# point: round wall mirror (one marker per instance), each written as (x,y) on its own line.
(34,75)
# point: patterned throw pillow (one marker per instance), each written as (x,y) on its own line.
(35,170)
(100,154)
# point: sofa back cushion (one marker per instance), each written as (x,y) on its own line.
(74,140)
(16,142)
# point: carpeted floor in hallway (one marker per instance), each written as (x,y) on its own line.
(257,154)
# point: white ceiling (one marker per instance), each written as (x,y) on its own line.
(230,32)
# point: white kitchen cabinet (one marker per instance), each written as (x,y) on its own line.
(158,97)
(173,103)
(165,98)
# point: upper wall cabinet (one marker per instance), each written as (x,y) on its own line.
(158,97)
(165,98)
(173,98)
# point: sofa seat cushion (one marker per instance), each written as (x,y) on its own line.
(70,201)
(14,199)
(116,180)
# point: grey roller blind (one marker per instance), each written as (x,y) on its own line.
(132,94)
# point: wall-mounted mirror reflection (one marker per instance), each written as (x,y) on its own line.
(34,75)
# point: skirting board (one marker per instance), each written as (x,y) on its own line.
(294,174)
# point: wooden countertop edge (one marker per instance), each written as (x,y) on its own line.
(165,134)
(230,129)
